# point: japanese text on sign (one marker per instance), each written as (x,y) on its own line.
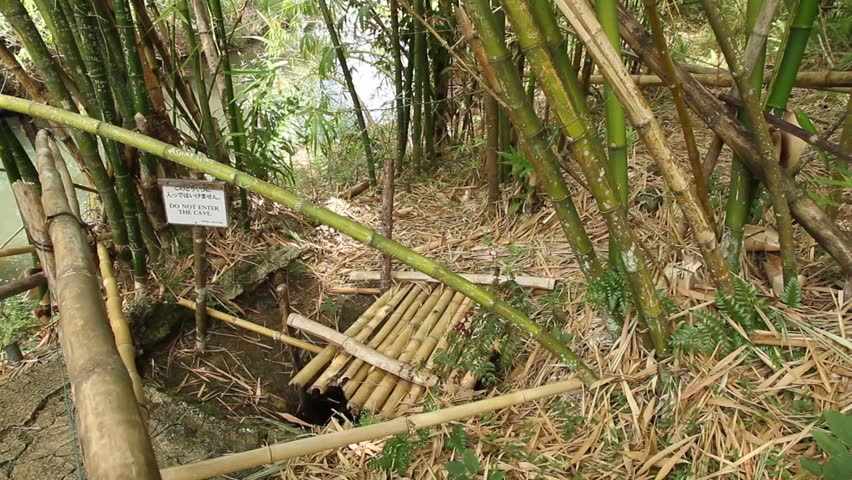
(202,206)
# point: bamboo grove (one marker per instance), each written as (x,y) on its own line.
(129,108)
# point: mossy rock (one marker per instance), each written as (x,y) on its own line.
(247,275)
(152,322)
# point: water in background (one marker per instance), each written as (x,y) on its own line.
(10,217)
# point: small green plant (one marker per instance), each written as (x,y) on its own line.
(837,445)
(713,329)
(332,305)
(485,347)
(398,451)
(468,468)
(16,319)
(610,293)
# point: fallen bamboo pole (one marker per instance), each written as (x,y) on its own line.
(418,351)
(812,80)
(340,360)
(343,290)
(359,350)
(308,446)
(313,367)
(15,287)
(120,329)
(253,327)
(480,278)
(391,328)
(113,436)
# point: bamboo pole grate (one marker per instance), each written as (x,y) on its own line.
(408,323)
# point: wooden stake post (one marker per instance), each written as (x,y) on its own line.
(201,204)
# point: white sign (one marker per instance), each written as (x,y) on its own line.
(199,203)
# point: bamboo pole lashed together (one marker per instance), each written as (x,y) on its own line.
(359,350)
(253,327)
(113,436)
(338,222)
(298,448)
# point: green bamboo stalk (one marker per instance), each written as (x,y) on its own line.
(208,123)
(772,169)
(16,15)
(58,24)
(235,114)
(350,85)
(642,118)
(7,156)
(701,188)
(743,184)
(314,212)
(15,152)
(125,186)
(616,129)
(631,254)
(540,154)
(794,49)
(401,133)
(420,71)
(141,106)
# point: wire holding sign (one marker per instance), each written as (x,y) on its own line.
(195,202)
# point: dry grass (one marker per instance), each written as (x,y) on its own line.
(742,416)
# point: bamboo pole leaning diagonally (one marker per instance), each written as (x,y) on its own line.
(307,446)
(252,327)
(771,167)
(564,93)
(835,241)
(582,18)
(322,215)
(120,329)
(113,436)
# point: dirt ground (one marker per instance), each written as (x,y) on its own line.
(37,441)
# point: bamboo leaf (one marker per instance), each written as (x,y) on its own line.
(455,468)
(811,465)
(840,424)
(829,444)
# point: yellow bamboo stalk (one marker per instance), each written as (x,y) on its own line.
(358,350)
(113,437)
(411,302)
(589,31)
(120,329)
(309,446)
(67,182)
(441,344)
(320,360)
(253,327)
(421,352)
(340,360)
(404,349)
(357,371)
(392,348)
